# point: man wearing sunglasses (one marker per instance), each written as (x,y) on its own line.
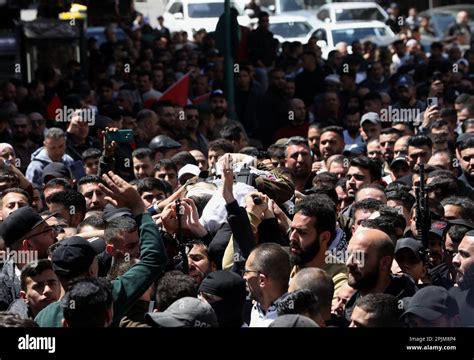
(27,237)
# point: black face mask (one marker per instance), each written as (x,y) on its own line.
(228,314)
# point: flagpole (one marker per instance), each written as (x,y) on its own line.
(228,62)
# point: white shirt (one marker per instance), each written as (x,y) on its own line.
(260,319)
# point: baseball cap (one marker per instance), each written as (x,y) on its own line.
(293,320)
(163,142)
(19,223)
(217,93)
(412,244)
(74,255)
(189,169)
(462,222)
(432,302)
(111,212)
(405,81)
(437,228)
(354,149)
(373,117)
(399,160)
(333,78)
(55,170)
(187,312)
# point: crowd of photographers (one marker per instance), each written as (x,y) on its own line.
(337,192)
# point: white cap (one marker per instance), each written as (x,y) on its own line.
(189,169)
(372,117)
(333,78)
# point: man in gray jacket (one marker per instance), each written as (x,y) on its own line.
(54,150)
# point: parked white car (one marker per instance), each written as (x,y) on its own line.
(351,11)
(193,15)
(278,7)
(291,28)
(329,34)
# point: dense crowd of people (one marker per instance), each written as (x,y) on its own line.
(335,192)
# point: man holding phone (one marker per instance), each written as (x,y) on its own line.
(78,139)
(407,97)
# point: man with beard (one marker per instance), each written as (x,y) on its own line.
(166,119)
(388,137)
(95,197)
(199,262)
(419,150)
(463,262)
(218,104)
(407,97)
(465,155)
(376,81)
(298,160)
(199,141)
(331,141)
(369,259)
(362,171)
(312,232)
(24,147)
(267,273)
(143,162)
(352,134)
(27,232)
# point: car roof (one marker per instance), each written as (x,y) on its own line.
(288,18)
(350,5)
(352,24)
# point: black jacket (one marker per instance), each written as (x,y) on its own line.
(401,286)
(465,300)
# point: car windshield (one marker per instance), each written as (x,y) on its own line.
(98,34)
(285,5)
(291,5)
(209,10)
(441,22)
(349,35)
(290,29)
(366,14)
